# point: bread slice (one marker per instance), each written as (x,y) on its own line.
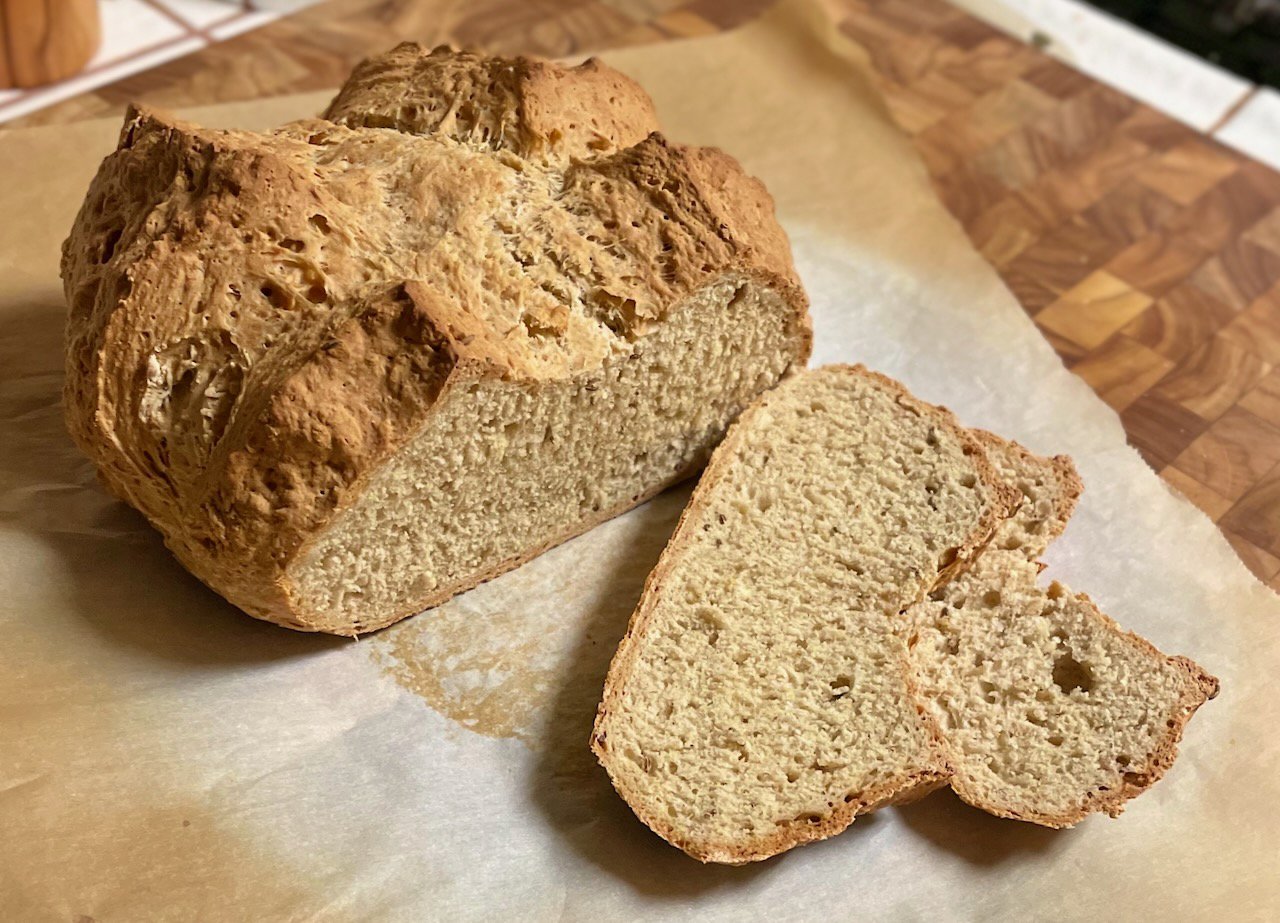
(352,367)
(761,697)
(1047,710)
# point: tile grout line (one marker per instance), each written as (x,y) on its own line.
(242,11)
(174,18)
(1232,111)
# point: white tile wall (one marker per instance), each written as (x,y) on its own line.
(203,13)
(139,34)
(128,25)
(1255,129)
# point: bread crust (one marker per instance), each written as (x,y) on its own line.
(526,105)
(928,778)
(241,422)
(1070,485)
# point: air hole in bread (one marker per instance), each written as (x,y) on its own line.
(1070,674)
(109,245)
(946,559)
(278,297)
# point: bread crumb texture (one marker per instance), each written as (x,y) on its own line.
(848,616)
(1048,710)
(355,365)
(762,696)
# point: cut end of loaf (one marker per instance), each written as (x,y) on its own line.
(783,675)
(502,469)
(761,698)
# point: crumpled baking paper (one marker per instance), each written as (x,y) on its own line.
(164,757)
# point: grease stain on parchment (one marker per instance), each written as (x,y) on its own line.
(486,680)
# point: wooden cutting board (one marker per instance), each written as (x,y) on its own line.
(1147,253)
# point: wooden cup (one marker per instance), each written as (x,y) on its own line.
(46,40)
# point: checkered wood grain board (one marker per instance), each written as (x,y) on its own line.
(1148,254)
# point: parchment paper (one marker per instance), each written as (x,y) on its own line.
(163,756)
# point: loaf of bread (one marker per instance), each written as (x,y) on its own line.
(352,367)
(1047,710)
(762,696)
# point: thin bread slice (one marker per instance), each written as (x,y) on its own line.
(1048,489)
(761,697)
(1048,710)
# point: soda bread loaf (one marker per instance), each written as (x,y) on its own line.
(353,366)
(762,696)
(1048,711)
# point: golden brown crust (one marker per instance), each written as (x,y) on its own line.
(796,832)
(524,105)
(258,321)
